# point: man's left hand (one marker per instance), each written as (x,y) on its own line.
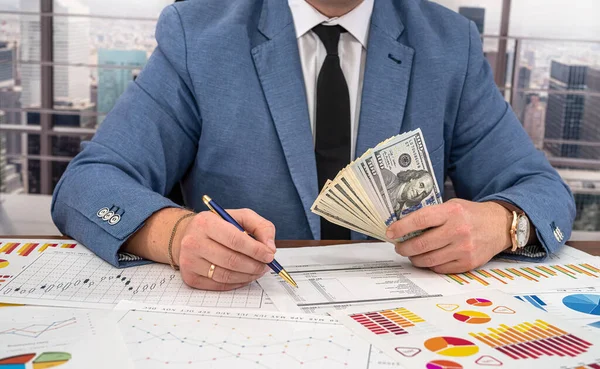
(458,236)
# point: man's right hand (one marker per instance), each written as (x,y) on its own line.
(206,239)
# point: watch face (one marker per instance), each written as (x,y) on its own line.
(522,231)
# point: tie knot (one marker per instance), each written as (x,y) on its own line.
(330,37)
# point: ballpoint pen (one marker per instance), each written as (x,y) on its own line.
(215,208)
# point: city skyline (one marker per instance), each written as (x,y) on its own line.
(529,18)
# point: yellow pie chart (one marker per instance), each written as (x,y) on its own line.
(451,346)
(4,263)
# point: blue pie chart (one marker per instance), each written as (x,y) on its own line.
(584,303)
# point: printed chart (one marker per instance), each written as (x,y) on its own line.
(81,279)
(16,254)
(182,337)
(365,274)
(582,309)
(39,338)
(470,331)
(530,277)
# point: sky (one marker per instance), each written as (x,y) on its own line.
(569,19)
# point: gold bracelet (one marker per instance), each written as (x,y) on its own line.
(175,267)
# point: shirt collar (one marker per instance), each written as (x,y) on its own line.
(356,22)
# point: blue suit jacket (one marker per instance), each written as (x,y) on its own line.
(221,109)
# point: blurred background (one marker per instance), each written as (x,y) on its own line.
(64,63)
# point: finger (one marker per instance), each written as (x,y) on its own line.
(434,258)
(228,235)
(430,240)
(259,227)
(427,217)
(452,267)
(225,257)
(203,283)
(221,275)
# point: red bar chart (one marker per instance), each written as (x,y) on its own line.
(532,341)
(388,321)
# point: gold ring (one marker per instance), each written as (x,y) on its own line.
(211,271)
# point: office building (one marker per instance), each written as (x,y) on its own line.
(590,129)
(564,114)
(477,15)
(7,65)
(10,179)
(521,98)
(113,81)
(71,45)
(62,146)
(586,190)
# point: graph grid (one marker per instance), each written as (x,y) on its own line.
(81,277)
(533,340)
(388,321)
(531,274)
(240,340)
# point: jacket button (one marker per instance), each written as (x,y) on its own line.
(102,212)
(114,219)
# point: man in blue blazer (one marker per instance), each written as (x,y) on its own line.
(234,102)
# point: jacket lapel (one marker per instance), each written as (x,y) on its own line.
(277,63)
(387,78)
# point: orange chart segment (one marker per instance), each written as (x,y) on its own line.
(451,346)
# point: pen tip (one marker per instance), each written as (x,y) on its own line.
(288,278)
(206,199)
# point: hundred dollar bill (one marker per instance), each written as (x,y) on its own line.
(406,174)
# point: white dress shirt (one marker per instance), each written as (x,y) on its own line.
(352,51)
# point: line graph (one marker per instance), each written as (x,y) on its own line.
(40,337)
(80,279)
(37,330)
(235,338)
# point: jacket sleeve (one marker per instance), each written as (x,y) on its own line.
(492,158)
(141,150)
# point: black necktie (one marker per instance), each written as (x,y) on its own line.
(332,146)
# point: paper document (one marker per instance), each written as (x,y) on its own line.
(16,254)
(336,277)
(579,308)
(471,331)
(181,337)
(37,337)
(81,279)
(516,277)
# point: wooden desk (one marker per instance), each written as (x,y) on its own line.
(591,247)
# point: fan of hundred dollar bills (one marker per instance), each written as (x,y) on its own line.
(388,182)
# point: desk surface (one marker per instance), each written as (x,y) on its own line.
(591,247)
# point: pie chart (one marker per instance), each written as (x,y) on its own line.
(583,303)
(443,364)
(479,302)
(451,346)
(472,317)
(51,360)
(3,263)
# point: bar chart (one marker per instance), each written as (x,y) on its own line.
(393,321)
(25,249)
(532,341)
(533,274)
